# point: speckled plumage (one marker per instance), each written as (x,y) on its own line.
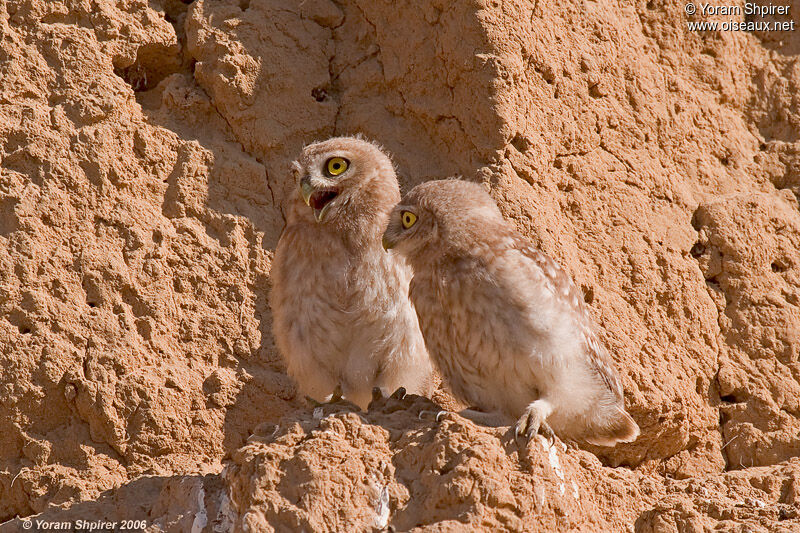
(505,325)
(342,315)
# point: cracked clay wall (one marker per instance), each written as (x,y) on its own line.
(143,165)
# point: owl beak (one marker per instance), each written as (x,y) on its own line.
(319,214)
(387,243)
(306,189)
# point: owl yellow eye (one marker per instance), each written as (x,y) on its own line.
(336,165)
(408,219)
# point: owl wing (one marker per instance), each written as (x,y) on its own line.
(565,289)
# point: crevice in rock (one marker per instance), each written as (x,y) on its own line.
(780,265)
(729,398)
(153,63)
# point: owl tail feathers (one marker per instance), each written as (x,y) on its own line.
(618,427)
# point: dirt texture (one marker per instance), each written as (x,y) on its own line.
(144,150)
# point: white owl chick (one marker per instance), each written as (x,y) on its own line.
(504,324)
(342,315)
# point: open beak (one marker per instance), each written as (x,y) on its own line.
(319,200)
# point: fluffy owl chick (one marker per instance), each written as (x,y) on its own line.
(505,326)
(342,315)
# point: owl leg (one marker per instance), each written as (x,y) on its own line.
(534,420)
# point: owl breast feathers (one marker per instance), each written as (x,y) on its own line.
(342,315)
(505,325)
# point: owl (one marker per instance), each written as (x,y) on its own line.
(343,320)
(505,326)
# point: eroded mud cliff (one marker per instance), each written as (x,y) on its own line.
(143,166)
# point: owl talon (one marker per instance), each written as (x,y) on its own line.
(399,394)
(533,422)
(337,395)
(547,432)
(435,416)
(377,394)
(312,402)
(397,401)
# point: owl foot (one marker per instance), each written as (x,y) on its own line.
(377,394)
(533,421)
(571,445)
(335,397)
(400,400)
(399,394)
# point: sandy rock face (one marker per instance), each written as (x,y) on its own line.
(143,166)
(129,303)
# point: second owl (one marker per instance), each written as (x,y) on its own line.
(505,326)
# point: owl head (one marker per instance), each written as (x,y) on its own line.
(442,216)
(345,179)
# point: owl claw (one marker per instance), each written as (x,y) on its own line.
(435,416)
(399,394)
(337,395)
(547,432)
(314,403)
(533,422)
(399,399)
(377,394)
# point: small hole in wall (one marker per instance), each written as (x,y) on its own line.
(779,265)
(135,76)
(25,330)
(729,398)
(319,94)
(244,5)
(697,250)
(520,143)
(91,304)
